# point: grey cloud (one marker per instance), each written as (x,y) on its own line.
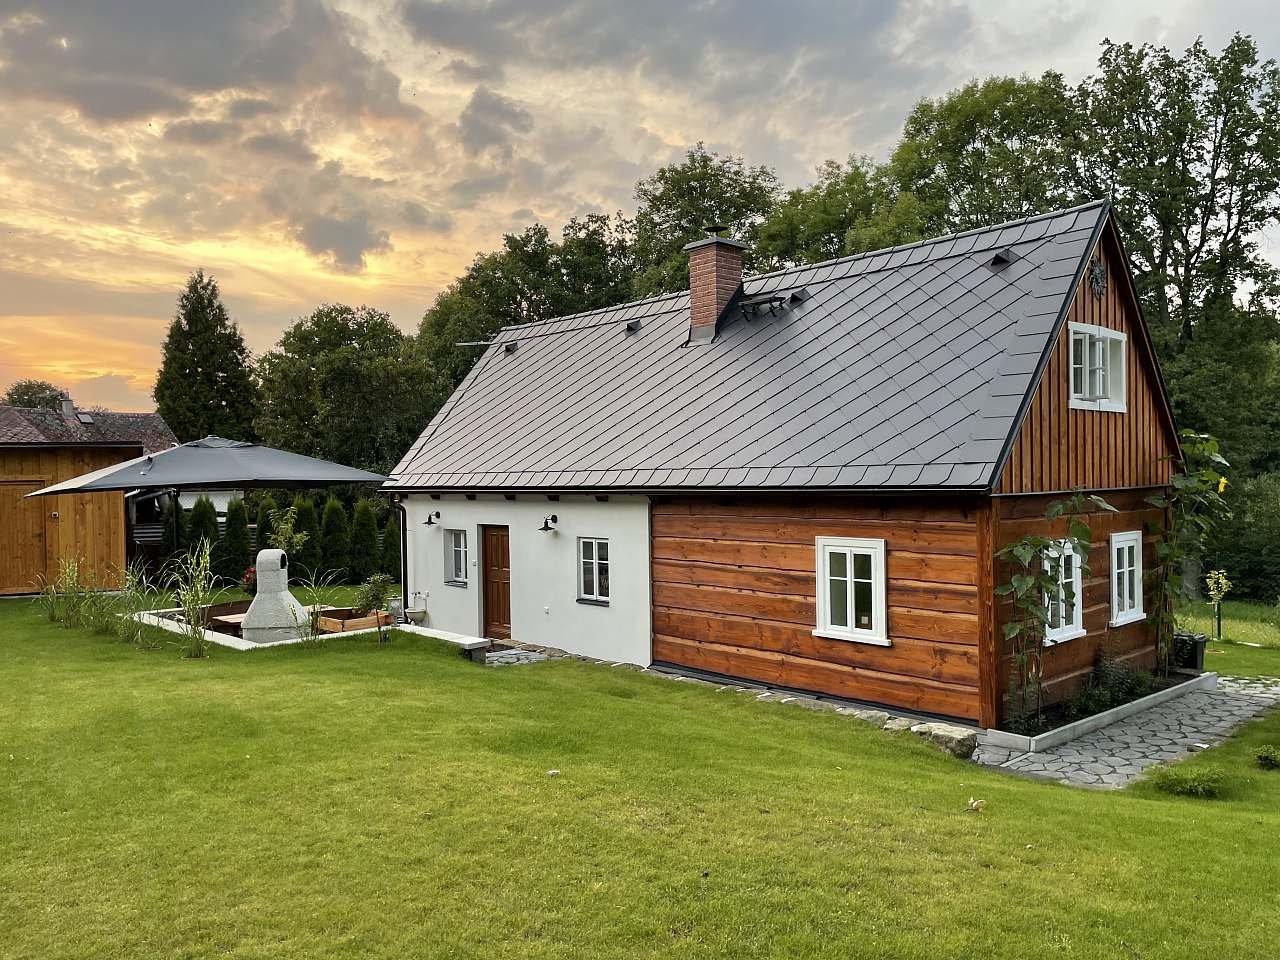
(469,190)
(345,239)
(247,108)
(418,216)
(491,121)
(290,147)
(469,72)
(200,132)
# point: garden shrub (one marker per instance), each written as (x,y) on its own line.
(204,523)
(172,541)
(306,556)
(233,553)
(1243,545)
(1109,685)
(1185,781)
(262,536)
(391,548)
(364,561)
(1268,757)
(335,540)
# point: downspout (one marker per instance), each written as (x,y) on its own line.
(398,503)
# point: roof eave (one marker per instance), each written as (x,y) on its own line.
(967,490)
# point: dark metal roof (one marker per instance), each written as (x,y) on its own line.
(214,463)
(29,426)
(904,368)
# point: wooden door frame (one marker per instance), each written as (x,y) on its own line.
(484,578)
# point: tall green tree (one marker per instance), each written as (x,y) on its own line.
(232,556)
(364,559)
(678,202)
(174,533)
(306,558)
(532,278)
(335,540)
(262,535)
(203,524)
(391,547)
(346,384)
(34,393)
(205,384)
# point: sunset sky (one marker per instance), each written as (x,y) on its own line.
(366,151)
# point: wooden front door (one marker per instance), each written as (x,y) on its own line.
(495,562)
(24,558)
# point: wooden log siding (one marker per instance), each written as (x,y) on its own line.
(734,592)
(1058,448)
(1067,664)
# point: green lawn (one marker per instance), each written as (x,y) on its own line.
(356,800)
(1246,627)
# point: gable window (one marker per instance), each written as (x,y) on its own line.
(1126,577)
(455,557)
(1066,602)
(593,570)
(1097,368)
(851,590)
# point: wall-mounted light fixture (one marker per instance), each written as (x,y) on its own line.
(432,518)
(549,523)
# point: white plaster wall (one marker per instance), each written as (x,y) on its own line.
(544,586)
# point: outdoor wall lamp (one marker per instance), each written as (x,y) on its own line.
(549,523)
(432,518)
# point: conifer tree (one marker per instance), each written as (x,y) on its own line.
(307,557)
(233,554)
(266,507)
(391,547)
(335,540)
(365,561)
(205,384)
(204,522)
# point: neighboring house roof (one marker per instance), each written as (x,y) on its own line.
(905,368)
(29,426)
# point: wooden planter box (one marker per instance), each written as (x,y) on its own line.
(340,620)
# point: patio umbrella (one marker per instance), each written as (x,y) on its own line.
(210,464)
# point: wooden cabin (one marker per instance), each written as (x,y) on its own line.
(802,478)
(39,447)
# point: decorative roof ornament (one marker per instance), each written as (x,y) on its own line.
(1098,278)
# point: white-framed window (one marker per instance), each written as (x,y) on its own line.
(1066,603)
(851,590)
(1097,368)
(455,557)
(1126,577)
(593,570)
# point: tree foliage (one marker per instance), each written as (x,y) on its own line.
(35,394)
(232,556)
(265,523)
(205,384)
(335,541)
(203,524)
(391,547)
(678,202)
(306,554)
(345,384)
(365,560)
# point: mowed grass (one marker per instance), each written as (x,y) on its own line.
(1250,637)
(356,800)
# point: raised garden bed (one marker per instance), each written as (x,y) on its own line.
(343,619)
(1067,732)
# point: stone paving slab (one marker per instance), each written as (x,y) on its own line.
(1116,755)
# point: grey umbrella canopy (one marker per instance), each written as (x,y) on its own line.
(210,464)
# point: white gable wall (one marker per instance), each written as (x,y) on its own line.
(544,570)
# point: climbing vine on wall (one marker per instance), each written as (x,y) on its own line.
(1035,563)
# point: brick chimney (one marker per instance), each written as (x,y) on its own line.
(715,276)
(67,408)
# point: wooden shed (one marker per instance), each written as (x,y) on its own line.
(39,447)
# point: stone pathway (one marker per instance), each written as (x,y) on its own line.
(1117,755)
(512,656)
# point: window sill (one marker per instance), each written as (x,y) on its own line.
(1133,616)
(1064,637)
(1099,406)
(589,602)
(854,637)
(456,583)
